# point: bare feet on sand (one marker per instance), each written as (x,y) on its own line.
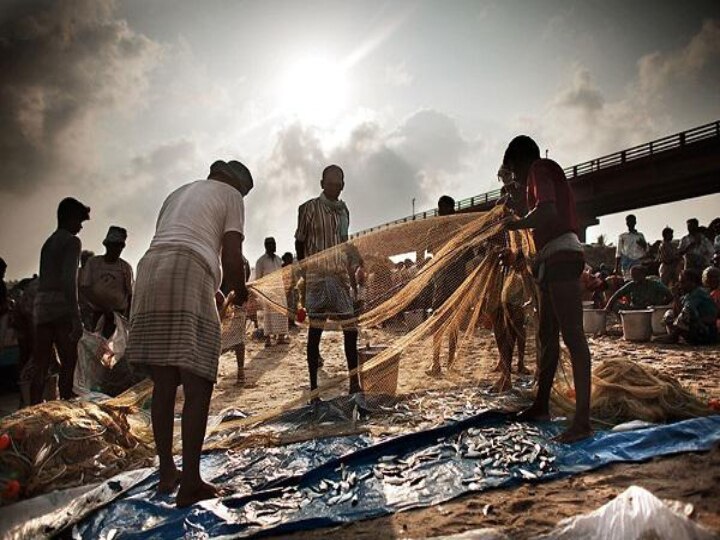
(433,371)
(169,480)
(503,384)
(533,414)
(188,496)
(522,370)
(573,434)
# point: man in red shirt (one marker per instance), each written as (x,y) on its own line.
(557,268)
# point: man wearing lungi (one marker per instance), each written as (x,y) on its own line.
(323,223)
(174,322)
(274,322)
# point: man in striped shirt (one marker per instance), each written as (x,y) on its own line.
(323,225)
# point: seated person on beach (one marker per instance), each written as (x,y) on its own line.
(106,282)
(696,320)
(641,293)
(711,281)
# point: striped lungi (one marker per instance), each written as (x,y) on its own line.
(174,319)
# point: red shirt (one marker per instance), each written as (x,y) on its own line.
(547,183)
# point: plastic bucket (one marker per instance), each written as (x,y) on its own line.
(413,318)
(380,379)
(594,321)
(637,324)
(656,321)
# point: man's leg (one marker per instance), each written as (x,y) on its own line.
(240,359)
(548,343)
(313,352)
(165,381)
(68,353)
(43,352)
(194,423)
(567,302)
(504,345)
(350,339)
(517,328)
(435,370)
(452,346)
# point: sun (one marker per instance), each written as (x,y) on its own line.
(314,90)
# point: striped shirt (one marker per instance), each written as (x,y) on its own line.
(319,229)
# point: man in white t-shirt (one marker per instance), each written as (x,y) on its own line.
(174,322)
(274,322)
(631,249)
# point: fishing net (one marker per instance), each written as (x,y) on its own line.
(624,390)
(61,444)
(413,291)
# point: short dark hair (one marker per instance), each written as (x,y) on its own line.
(270,239)
(333,169)
(70,208)
(522,148)
(693,220)
(446,200)
(666,231)
(631,216)
(287,256)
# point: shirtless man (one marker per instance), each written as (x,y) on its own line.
(58,325)
(557,267)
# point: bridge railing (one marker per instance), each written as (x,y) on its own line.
(651,148)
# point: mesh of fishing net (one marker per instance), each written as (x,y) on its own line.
(61,444)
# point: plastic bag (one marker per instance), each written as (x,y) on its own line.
(635,514)
(100,366)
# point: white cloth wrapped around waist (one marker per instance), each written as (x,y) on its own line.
(568,241)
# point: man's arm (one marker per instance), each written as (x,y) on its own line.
(301,232)
(69,278)
(233,267)
(613,299)
(618,253)
(543,215)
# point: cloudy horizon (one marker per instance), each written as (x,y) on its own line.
(117,103)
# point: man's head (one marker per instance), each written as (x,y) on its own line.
(270,247)
(631,221)
(667,234)
(638,273)
(332,182)
(446,205)
(689,280)
(693,226)
(71,213)
(287,258)
(519,155)
(114,242)
(711,278)
(3,268)
(232,173)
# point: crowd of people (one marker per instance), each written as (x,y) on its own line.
(684,276)
(195,267)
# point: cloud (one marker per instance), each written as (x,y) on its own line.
(398,75)
(582,122)
(64,63)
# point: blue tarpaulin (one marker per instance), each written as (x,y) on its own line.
(290,488)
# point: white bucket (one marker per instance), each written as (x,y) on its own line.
(636,324)
(594,321)
(657,323)
(413,318)
(588,304)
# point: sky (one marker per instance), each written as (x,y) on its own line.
(117,103)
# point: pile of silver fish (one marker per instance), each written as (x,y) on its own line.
(508,450)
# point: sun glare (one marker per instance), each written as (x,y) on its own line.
(314,90)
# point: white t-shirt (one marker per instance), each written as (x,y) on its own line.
(266,265)
(629,245)
(196,216)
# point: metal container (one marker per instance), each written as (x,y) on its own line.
(594,321)
(588,304)
(656,321)
(637,324)
(381,379)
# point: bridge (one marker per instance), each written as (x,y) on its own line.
(673,168)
